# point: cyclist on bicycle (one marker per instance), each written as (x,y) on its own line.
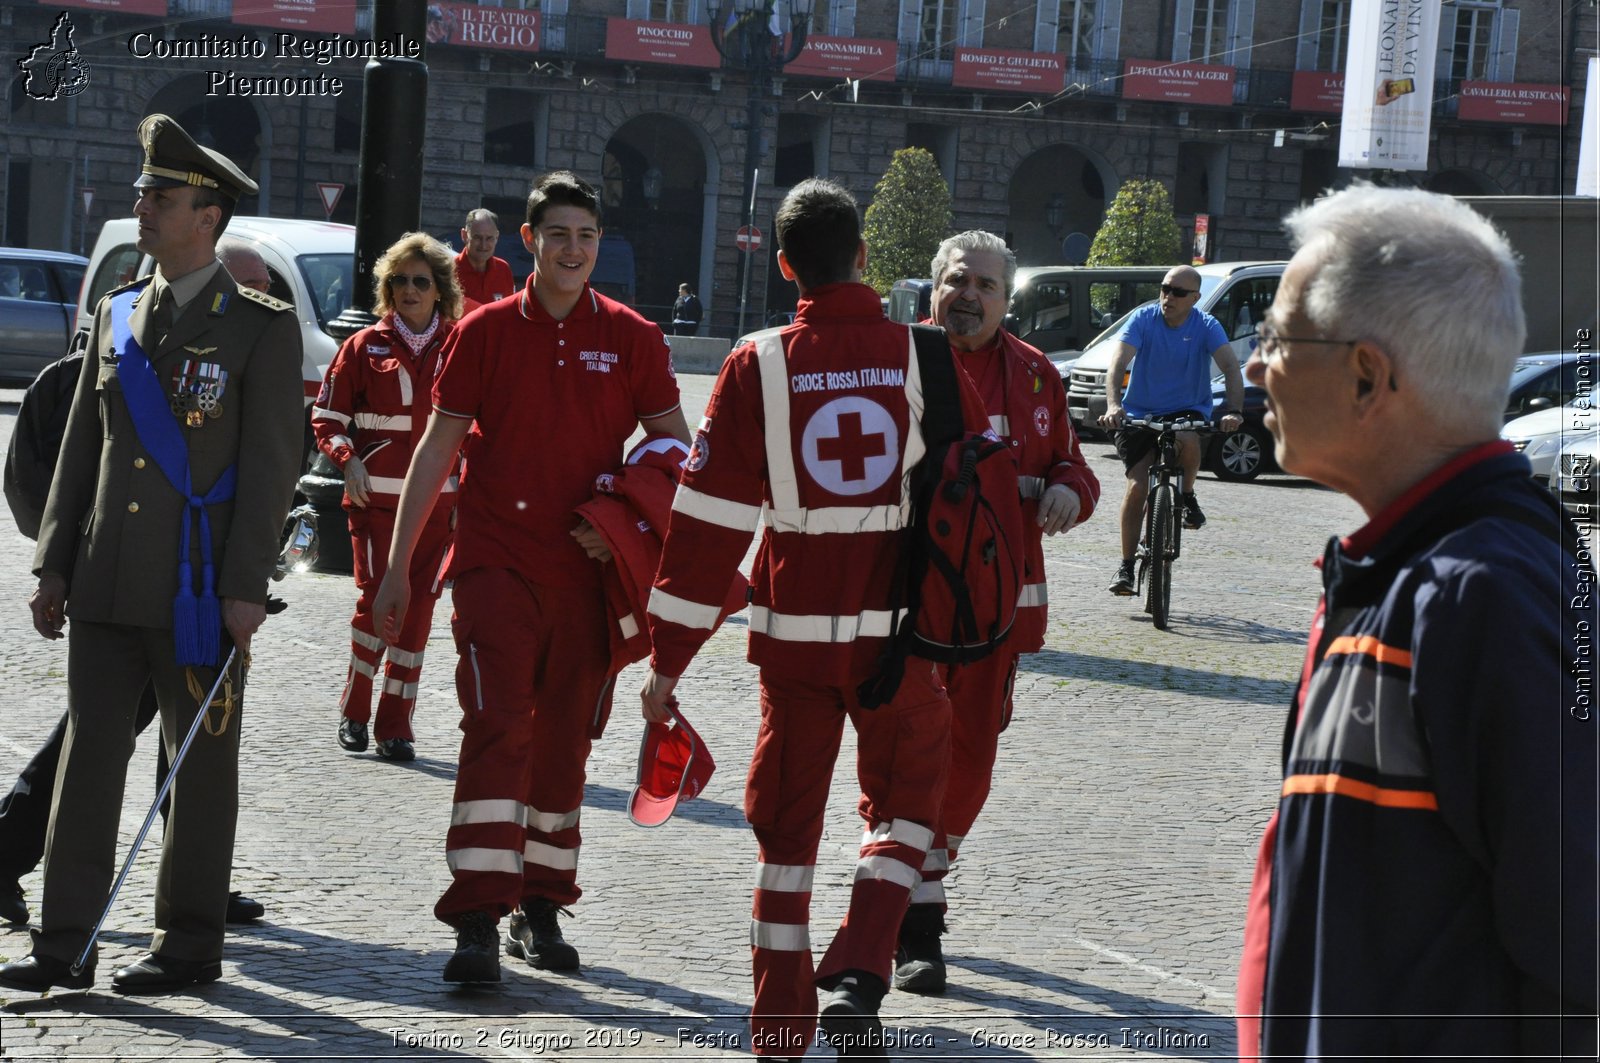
(1177,343)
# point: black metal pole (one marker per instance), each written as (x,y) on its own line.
(393,123)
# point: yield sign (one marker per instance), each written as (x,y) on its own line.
(330,192)
(88,198)
(748,238)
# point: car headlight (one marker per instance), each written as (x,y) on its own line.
(1542,445)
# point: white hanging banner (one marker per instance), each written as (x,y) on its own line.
(1388,84)
(1589,144)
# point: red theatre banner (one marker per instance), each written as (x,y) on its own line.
(997,71)
(672,43)
(320,16)
(1504,101)
(1196,83)
(471,26)
(132,7)
(853,58)
(1317,90)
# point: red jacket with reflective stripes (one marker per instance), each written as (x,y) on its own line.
(1027,407)
(815,421)
(375,403)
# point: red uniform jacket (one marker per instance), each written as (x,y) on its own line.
(1027,407)
(375,403)
(819,421)
(495,282)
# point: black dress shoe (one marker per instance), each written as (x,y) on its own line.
(163,974)
(352,735)
(13,909)
(398,749)
(36,974)
(242,909)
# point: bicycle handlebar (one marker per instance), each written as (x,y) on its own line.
(1153,424)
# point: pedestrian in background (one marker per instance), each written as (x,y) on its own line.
(190,384)
(1426,887)
(686,312)
(369,416)
(544,389)
(483,277)
(973,275)
(842,390)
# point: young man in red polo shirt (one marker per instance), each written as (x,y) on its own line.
(483,277)
(555,382)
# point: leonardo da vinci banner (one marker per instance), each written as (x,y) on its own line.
(1388,84)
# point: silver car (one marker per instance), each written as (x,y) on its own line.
(38,307)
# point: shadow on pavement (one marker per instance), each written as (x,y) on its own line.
(1124,672)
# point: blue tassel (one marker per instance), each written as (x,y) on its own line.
(186,622)
(209,614)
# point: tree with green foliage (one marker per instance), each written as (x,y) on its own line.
(1139,230)
(909,216)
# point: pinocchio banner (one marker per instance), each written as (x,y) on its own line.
(1388,84)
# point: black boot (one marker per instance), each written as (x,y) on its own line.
(534,936)
(477,955)
(849,1014)
(919,962)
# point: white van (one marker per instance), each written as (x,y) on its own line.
(1237,294)
(312,265)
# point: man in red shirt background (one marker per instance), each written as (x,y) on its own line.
(483,277)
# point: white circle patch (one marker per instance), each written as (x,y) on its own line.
(851,446)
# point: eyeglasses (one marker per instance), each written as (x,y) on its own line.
(1177,292)
(1270,342)
(421,284)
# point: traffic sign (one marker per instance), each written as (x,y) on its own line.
(748,238)
(88,198)
(330,192)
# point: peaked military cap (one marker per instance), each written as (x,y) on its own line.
(172,159)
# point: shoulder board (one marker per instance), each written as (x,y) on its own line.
(264,299)
(133,284)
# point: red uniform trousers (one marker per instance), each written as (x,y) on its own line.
(533,679)
(980,708)
(371,531)
(902,760)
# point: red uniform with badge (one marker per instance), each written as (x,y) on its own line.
(494,282)
(819,421)
(1027,407)
(374,405)
(553,404)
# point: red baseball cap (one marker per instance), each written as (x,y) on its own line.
(674,765)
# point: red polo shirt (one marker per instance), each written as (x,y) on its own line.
(554,402)
(493,283)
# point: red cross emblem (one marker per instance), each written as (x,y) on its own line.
(851,446)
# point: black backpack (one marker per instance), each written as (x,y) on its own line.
(960,573)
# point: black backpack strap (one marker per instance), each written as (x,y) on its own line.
(941,396)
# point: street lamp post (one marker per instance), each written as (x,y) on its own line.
(751,38)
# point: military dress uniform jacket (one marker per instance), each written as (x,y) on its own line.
(112,522)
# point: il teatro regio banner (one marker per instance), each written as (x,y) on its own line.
(321,16)
(1200,84)
(845,58)
(1504,101)
(472,26)
(670,43)
(1004,71)
(157,8)
(1388,84)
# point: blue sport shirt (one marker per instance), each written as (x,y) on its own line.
(1174,368)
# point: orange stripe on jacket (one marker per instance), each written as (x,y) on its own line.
(1370,646)
(1361,791)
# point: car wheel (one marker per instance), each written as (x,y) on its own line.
(1239,456)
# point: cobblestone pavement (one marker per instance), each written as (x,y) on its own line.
(1097,908)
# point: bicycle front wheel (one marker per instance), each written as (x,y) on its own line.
(1159,588)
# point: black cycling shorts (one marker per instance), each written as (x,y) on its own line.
(1134,443)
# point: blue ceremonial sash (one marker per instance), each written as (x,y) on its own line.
(196,619)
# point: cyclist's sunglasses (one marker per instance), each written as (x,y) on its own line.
(1177,292)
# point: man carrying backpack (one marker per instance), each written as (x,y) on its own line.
(973,273)
(816,420)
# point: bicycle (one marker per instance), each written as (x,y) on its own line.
(1163,524)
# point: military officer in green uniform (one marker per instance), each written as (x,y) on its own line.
(158,539)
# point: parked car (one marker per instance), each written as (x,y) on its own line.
(910,300)
(1541,435)
(1549,379)
(38,310)
(1062,309)
(1247,451)
(1577,477)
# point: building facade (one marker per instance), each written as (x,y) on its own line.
(1036,113)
